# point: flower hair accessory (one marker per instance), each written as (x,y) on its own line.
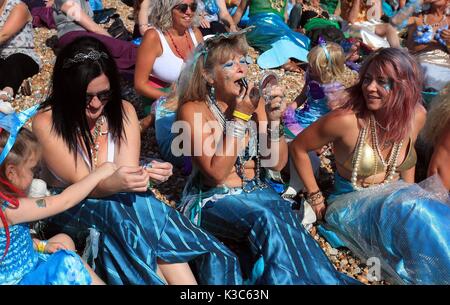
(81,57)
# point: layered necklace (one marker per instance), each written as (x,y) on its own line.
(390,165)
(176,47)
(96,134)
(241,158)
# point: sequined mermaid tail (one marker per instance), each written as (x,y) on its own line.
(406,226)
(60,268)
(23,265)
(269,29)
(136,229)
(276,248)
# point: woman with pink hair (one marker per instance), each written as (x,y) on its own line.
(375,209)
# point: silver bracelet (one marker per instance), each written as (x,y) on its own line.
(235,129)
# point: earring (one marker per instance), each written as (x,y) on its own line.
(212,92)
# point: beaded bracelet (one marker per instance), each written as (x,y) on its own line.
(424,34)
(312,198)
(438,35)
(41,246)
(236,129)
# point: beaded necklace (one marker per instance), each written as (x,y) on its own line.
(241,158)
(391,164)
(95,145)
(176,47)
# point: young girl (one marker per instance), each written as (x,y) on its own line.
(325,77)
(20,263)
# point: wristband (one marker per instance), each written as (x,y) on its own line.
(41,246)
(242,116)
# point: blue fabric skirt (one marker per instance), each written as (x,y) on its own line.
(269,28)
(274,247)
(60,268)
(406,226)
(136,229)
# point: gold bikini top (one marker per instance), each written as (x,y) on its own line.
(369,155)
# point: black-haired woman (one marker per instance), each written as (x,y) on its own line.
(85,123)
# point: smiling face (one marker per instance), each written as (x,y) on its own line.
(227,75)
(97,97)
(376,88)
(183,13)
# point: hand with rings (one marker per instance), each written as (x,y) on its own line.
(159,171)
(275,102)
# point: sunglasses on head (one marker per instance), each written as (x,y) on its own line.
(182,7)
(104,96)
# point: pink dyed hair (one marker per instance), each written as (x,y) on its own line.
(406,85)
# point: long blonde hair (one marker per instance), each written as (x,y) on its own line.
(192,86)
(327,68)
(160,15)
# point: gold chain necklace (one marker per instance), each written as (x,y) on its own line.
(96,133)
(391,164)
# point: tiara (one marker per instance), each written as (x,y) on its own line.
(81,57)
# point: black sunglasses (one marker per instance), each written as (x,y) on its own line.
(104,96)
(182,7)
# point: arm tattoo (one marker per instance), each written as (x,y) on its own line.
(41,203)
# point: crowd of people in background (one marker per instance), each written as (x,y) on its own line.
(376,100)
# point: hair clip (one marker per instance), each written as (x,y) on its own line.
(323,44)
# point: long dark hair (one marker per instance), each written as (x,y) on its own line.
(67,98)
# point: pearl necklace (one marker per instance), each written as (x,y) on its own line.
(391,165)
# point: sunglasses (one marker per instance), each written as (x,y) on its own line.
(182,7)
(104,96)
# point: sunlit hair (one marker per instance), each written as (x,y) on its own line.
(192,85)
(160,14)
(405,92)
(25,147)
(327,70)
(438,117)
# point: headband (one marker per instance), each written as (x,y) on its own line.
(81,57)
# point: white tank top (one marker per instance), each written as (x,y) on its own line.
(110,158)
(168,66)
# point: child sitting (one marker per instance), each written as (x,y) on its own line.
(326,76)
(20,263)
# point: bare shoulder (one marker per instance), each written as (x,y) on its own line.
(188,109)
(128,107)
(42,121)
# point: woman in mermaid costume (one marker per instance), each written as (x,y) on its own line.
(226,193)
(20,261)
(271,35)
(139,236)
(376,210)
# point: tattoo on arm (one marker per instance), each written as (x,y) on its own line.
(41,203)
